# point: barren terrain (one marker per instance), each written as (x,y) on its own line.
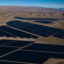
(45,28)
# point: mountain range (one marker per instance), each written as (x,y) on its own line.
(31,9)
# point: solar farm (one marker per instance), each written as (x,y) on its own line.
(31,41)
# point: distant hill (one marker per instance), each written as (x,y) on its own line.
(30,9)
(61,9)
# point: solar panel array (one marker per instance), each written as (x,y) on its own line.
(28,52)
(23,18)
(10,32)
(43,31)
(45,22)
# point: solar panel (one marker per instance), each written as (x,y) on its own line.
(22,18)
(4,50)
(11,62)
(44,31)
(59,35)
(17,32)
(26,56)
(4,62)
(19,43)
(46,47)
(2,33)
(5,42)
(27,52)
(13,43)
(45,22)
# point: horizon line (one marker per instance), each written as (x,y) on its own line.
(29,6)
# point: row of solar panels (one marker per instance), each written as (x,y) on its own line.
(35,46)
(35,53)
(9,32)
(44,31)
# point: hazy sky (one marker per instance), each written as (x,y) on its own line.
(40,3)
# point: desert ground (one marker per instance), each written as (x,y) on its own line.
(43,28)
(59,23)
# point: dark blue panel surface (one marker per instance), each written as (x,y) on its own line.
(59,35)
(2,33)
(17,32)
(25,56)
(4,50)
(45,22)
(44,31)
(2,62)
(20,43)
(46,47)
